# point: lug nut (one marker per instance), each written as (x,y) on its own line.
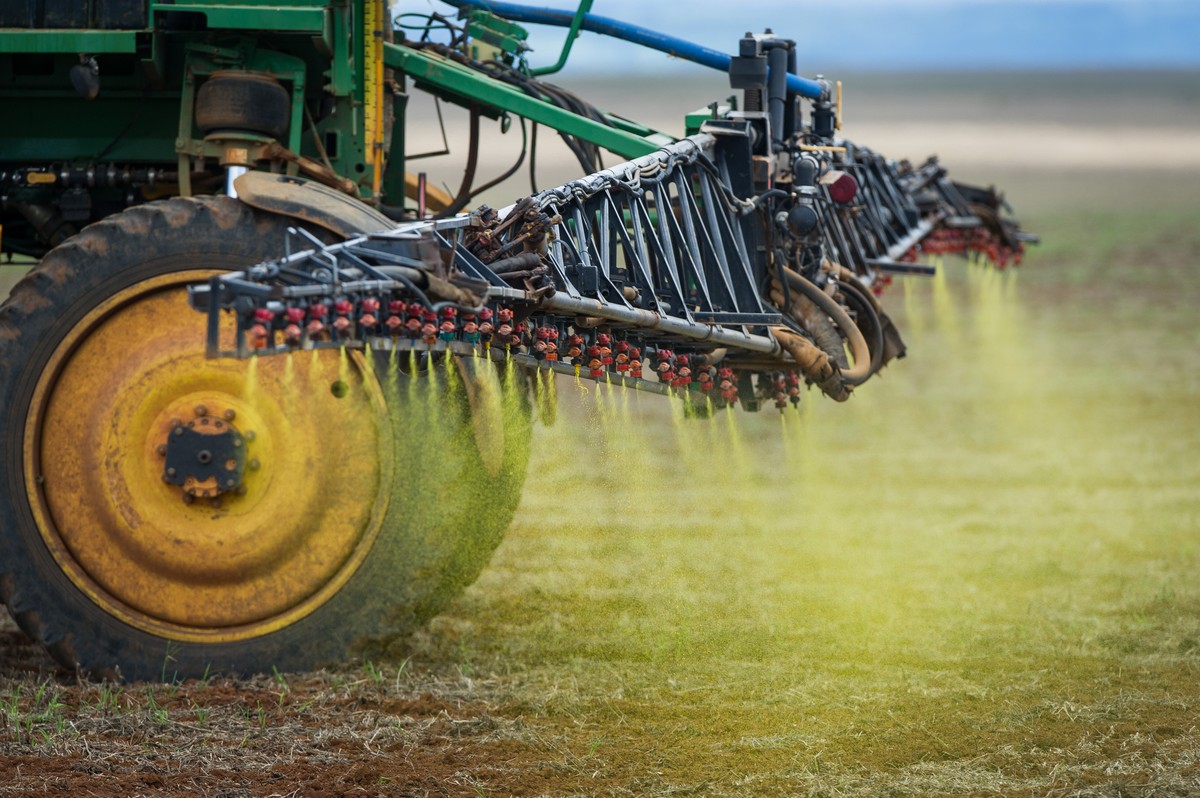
(230,415)
(253,465)
(161,449)
(201,410)
(250,436)
(240,490)
(188,498)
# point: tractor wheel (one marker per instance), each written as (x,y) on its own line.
(371,492)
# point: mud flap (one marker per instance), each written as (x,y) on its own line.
(310,202)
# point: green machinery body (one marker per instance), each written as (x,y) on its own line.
(99,103)
(76,159)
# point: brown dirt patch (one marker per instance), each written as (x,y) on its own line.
(357,731)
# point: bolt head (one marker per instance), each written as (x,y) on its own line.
(230,415)
(161,449)
(201,410)
(254,465)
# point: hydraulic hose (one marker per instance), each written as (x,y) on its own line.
(814,363)
(868,319)
(464,190)
(606,26)
(813,321)
(861,353)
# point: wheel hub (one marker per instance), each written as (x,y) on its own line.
(244,558)
(207,456)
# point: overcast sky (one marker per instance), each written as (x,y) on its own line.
(903,34)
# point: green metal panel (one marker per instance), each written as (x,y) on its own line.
(69,41)
(393,177)
(341,67)
(638,129)
(123,129)
(493,38)
(475,86)
(291,18)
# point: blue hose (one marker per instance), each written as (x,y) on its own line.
(630,33)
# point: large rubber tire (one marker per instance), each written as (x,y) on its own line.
(439,490)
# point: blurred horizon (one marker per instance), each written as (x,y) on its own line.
(900,35)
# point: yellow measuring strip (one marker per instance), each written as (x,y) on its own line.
(373,21)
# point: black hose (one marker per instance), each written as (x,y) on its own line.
(512,170)
(397,213)
(586,153)
(861,370)
(464,190)
(872,330)
(524,261)
(766,195)
(533,189)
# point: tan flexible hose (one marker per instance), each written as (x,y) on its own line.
(861,369)
(845,275)
(893,345)
(815,322)
(813,363)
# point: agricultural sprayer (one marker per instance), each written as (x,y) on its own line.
(266,392)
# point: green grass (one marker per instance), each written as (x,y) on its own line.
(978,576)
(10,275)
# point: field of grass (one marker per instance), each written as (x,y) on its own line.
(977,577)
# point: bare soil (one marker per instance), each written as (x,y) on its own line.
(352,732)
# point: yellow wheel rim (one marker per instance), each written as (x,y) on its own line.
(111,392)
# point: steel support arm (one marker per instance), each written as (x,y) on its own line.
(442,73)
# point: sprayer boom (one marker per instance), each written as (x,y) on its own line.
(679,262)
